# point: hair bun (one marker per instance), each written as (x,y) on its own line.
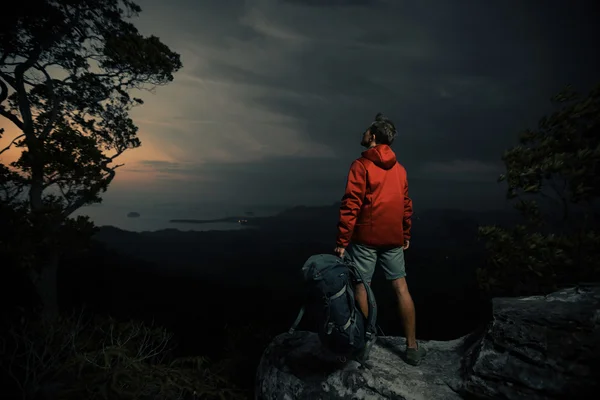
(379,117)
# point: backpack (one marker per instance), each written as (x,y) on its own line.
(342,327)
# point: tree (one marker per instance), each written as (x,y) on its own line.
(66,70)
(553,176)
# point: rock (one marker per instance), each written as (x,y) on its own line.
(542,347)
(296,367)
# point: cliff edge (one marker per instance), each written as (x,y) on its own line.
(534,348)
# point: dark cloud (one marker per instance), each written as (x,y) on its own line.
(335,3)
(274,95)
(293,181)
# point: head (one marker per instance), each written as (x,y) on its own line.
(381,131)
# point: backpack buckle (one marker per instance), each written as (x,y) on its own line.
(330,328)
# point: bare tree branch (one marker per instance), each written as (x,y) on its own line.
(12,118)
(3,91)
(11,143)
(9,79)
(55,105)
(23,101)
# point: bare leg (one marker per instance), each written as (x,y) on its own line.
(406,308)
(361,298)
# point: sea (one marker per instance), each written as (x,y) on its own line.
(155,217)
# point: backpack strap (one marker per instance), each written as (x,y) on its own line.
(297,321)
(372,316)
(371,331)
(371,328)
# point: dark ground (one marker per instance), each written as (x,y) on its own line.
(206,286)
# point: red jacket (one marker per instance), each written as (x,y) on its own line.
(376,210)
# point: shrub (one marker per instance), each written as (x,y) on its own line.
(74,357)
(553,178)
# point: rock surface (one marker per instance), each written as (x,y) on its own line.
(296,367)
(544,347)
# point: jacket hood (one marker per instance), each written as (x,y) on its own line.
(381,155)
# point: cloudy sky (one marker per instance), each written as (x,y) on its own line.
(275,94)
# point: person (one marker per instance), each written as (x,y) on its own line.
(375,222)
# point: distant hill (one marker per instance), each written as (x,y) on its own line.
(270,254)
(266,261)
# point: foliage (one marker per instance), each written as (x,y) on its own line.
(74,358)
(66,72)
(23,245)
(524,262)
(553,178)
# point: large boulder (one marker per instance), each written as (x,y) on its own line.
(543,347)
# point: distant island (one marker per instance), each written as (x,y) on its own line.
(237,220)
(133,215)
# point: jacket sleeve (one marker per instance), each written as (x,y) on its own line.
(408,212)
(356,187)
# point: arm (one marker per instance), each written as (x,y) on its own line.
(408,211)
(356,187)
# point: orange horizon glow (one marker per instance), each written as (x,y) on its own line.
(132,173)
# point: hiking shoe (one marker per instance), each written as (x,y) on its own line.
(414,356)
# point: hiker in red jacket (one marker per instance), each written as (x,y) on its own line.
(375,221)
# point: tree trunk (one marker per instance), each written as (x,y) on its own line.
(46,287)
(45,281)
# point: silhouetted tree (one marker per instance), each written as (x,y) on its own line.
(66,69)
(553,177)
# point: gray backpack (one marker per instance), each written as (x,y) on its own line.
(342,328)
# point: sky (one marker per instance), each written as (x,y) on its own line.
(273,96)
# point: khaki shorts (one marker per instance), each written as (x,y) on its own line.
(366,258)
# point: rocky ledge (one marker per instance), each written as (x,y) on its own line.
(534,348)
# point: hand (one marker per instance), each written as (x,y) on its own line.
(339,251)
(406,244)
